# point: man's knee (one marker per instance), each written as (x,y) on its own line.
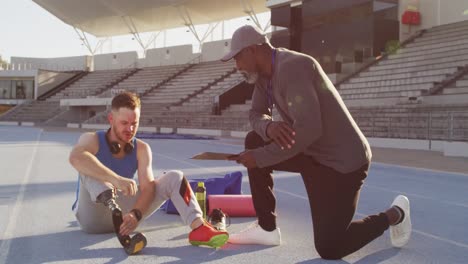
(171,181)
(329,249)
(175,176)
(253,140)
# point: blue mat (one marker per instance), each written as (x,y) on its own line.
(231,183)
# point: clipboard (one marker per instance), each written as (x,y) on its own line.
(214,156)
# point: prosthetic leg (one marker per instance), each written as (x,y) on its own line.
(131,245)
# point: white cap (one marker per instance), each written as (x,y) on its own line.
(244,37)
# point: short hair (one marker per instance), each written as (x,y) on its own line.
(127,100)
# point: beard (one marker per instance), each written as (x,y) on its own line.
(250,77)
(124,136)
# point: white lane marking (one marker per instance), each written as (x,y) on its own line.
(441,238)
(363,215)
(188,163)
(374,162)
(277,174)
(13,218)
(241,145)
(420,168)
(417,195)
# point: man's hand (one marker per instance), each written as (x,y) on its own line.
(245,158)
(281,133)
(129,224)
(126,186)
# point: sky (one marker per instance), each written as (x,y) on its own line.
(27,30)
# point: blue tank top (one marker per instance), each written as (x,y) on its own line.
(125,167)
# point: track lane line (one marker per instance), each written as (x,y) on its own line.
(8,234)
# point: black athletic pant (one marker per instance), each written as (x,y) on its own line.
(333,197)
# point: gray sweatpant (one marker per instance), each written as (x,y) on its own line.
(96,218)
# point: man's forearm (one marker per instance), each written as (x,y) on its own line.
(145,198)
(87,164)
(259,123)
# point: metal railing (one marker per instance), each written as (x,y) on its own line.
(427,125)
(39,66)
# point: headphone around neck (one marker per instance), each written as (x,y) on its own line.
(115,147)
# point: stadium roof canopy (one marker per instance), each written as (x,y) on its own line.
(106,18)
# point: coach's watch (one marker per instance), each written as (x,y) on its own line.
(137,214)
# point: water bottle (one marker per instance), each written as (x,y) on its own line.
(200,194)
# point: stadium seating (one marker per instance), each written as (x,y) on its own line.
(459,87)
(413,70)
(418,92)
(33,111)
(92,84)
(447,122)
(187,83)
(395,98)
(145,79)
(167,101)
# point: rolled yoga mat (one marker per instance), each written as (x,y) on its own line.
(232,204)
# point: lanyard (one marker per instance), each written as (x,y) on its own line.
(270,85)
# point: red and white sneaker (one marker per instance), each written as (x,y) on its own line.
(207,235)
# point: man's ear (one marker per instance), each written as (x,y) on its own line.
(255,50)
(110,117)
(252,49)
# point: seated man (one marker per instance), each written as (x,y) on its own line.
(107,161)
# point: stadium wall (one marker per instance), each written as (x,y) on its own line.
(113,61)
(215,50)
(54,64)
(168,56)
(433,13)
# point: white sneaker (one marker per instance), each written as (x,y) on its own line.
(401,233)
(254,234)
